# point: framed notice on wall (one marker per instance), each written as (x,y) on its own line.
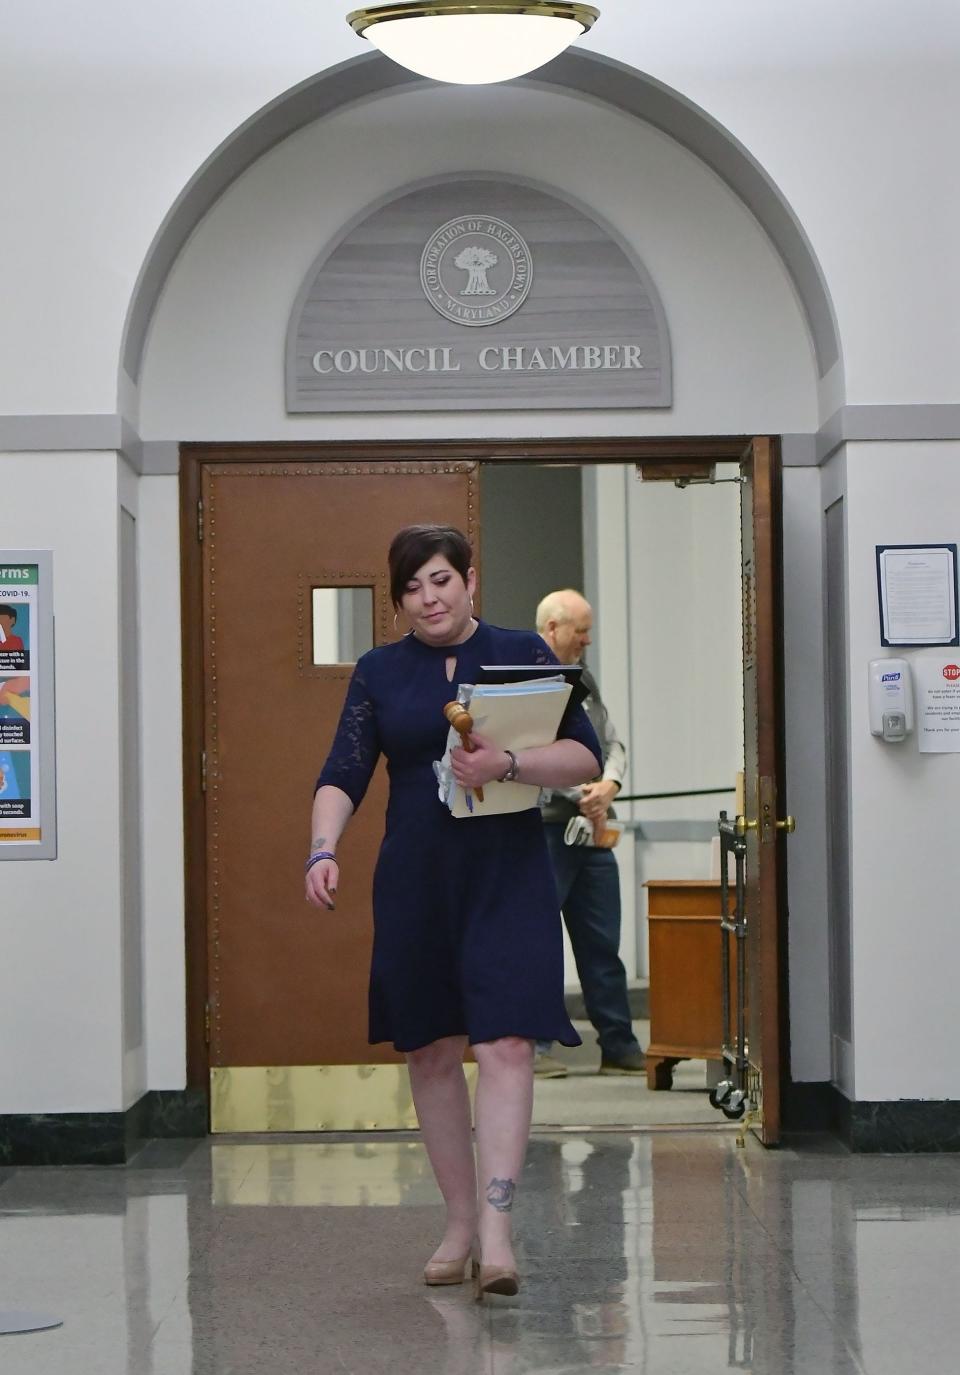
(917,589)
(27,766)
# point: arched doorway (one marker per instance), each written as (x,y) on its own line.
(204,354)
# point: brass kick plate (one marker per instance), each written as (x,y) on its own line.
(314,1098)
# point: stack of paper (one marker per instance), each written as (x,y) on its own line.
(515,716)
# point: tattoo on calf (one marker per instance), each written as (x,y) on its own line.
(500,1194)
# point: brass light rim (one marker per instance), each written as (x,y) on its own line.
(363,19)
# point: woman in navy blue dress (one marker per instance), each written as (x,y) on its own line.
(467,935)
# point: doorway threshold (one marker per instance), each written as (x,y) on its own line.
(633,1128)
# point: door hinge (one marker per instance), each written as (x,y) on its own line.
(203,771)
(206,1022)
(200,521)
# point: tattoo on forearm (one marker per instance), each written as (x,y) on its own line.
(318,843)
(500,1194)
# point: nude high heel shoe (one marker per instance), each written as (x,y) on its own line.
(494,1279)
(446,1271)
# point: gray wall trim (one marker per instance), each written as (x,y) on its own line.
(150,457)
(879,424)
(830,436)
(902,422)
(887,424)
(131,449)
(799,450)
(578,71)
(160,458)
(59,433)
(89,434)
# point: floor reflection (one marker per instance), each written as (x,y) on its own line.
(364,1173)
(663,1252)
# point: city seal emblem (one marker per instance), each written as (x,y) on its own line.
(476,270)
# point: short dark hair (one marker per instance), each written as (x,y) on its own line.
(415,545)
(7,610)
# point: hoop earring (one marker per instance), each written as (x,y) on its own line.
(471,606)
(396,625)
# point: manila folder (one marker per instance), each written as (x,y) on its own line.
(515,716)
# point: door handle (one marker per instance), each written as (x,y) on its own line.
(766,825)
(744,824)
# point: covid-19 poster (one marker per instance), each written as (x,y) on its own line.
(27,777)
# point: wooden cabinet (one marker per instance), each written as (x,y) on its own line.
(685,975)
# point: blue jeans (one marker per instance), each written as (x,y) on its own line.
(588,886)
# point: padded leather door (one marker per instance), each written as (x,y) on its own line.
(288,984)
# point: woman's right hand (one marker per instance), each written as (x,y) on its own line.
(322,879)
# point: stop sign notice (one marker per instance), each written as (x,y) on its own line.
(951,672)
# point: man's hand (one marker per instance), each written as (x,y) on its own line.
(595,798)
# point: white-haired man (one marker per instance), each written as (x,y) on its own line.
(588,881)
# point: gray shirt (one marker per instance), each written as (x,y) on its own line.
(560,804)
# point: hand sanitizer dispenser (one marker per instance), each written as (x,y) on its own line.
(891,699)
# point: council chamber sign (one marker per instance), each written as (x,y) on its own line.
(474,293)
(27,810)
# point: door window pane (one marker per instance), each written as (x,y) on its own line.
(342,624)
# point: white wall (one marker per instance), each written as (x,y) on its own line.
(808,92)
(60,976)
(130,838)
(742,359)
(664,568)
(805,731)
(162,774)
(806,89)
(686,637)
(904,856)
(607,584)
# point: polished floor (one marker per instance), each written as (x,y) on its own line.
(673,1253)
(585,1096)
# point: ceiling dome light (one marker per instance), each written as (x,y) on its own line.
(473,44)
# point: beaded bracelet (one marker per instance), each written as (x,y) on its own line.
(316,858)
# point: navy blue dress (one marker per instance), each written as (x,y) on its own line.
(467,934)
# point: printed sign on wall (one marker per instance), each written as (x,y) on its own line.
(474,294)
(938,705)
(26,737)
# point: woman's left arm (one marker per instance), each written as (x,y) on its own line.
(574,757)
(562,764)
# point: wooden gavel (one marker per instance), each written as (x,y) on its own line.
(462,723)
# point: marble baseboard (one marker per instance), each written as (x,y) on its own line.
(163,1113)
(101,1138)
(63,1138)
(901,1126)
